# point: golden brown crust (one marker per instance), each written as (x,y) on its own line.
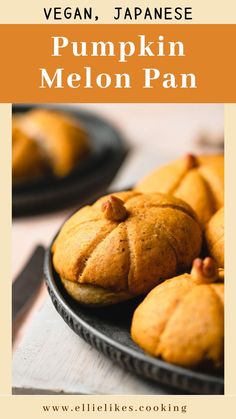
(214,234)
(159,237)
(94,296)
(59,139)
(198,180)
(182,321)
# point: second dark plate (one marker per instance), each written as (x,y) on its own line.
(108,330)
(92,177)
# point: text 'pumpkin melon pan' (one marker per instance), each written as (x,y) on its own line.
(198,180)
(125,244)
(182,320)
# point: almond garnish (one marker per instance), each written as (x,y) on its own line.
(114,209)
(191,161)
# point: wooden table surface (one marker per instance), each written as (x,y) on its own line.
(48,356)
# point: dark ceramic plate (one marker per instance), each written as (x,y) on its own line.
(89,178)
(107,329)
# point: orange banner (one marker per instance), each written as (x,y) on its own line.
(117,63)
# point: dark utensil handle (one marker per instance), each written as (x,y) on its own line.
(28,281)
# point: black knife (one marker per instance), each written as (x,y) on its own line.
(28,281)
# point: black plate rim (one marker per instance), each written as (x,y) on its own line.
(58,298)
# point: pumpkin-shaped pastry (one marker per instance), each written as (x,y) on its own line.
(27,157)
(182,320)
(58,140)
(124,245)
(214,234)
(199,181)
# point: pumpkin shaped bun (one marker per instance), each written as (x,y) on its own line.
(27,159)
(182,320)
(215,237)
(198,180)
(125,244)
(52,140)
